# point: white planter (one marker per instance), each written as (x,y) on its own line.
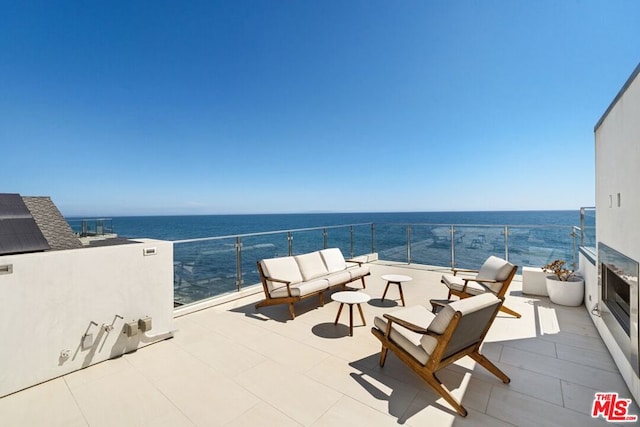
(570,293)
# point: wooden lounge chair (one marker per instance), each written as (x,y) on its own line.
(427,343)
(494,276)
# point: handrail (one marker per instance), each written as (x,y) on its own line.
(266,233)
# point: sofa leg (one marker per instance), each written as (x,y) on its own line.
(293,313)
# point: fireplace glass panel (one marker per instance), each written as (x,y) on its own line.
(617,295)
(619,300)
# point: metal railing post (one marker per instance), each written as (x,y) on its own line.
(324,238)
(506,242)
(574,252)
(238,263)
(453,250)
(351,240)
(373,239)
(290,242)
(582,213)
(408,244)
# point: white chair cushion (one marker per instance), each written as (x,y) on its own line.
(333,259)
(311,265)
(301,289)
(464,306)
(418,345)
(456,283)
(283,268)
(494,268)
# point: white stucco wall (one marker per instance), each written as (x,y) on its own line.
(618,172)
(617,139)
(50,300)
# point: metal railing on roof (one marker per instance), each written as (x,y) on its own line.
(88,227)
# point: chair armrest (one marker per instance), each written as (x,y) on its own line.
(404,323)
(272,279)
(480,282)
(285,282)
(463,270)
(354,262)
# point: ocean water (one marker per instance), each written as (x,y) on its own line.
(198,226)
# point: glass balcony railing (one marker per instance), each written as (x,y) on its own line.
(91,226)
(210,267)
(588,228)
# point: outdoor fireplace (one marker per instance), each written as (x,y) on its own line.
(618,277)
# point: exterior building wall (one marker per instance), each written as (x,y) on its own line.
(618,174)
(617,139)
(51,300)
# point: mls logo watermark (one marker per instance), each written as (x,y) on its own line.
(612,408)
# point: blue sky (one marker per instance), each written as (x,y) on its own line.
(141,108)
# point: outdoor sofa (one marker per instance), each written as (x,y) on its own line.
(287,280)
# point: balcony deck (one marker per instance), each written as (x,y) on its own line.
(230,365)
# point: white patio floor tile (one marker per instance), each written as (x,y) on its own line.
(384,394)
(125,398)
(562,369)
(207,397)
(293,394)
(263,414)
(349,412)
(233,365)
(48,404)
(522,410)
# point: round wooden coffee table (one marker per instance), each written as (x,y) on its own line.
(395,279)
(351,298)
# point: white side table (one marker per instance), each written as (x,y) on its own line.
(395,279)
(351,298)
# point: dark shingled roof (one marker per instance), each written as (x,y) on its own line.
(19,233)
(54,227)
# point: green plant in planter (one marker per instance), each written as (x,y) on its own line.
(557,268)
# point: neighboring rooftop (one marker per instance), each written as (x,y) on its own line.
(19,232)
(51,223)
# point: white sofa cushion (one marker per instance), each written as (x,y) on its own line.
(333,259)
(338,278)
(358,272)
(283,268)
(301,289)
(311,265)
